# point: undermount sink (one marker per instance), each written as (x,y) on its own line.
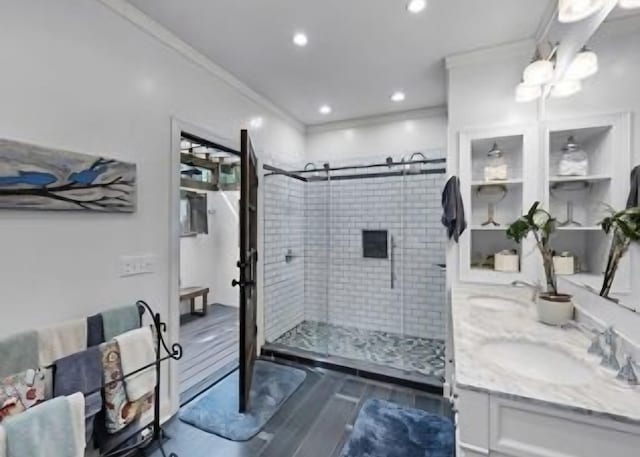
(537,361)
(493,303)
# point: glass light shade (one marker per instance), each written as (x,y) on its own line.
(577,10)
(526,93)
(584,64)
(566,88)
(538,73)
(629,4)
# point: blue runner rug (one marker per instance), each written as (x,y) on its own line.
(384,429)
(216,410)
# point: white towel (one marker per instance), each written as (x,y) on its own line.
(136,351)
(61,340)
(76,404)
(3,442)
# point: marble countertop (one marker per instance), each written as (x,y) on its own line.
(473,326)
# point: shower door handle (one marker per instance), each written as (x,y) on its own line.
(392,261)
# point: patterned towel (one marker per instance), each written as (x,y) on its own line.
(31,386)
(10,403)
(118,411)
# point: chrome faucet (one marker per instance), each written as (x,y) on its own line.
(609,359)
(595,347)
(537,289)
(627,373)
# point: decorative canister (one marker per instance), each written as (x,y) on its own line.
(564,264)
(507,262)
(496,168)
(574,161)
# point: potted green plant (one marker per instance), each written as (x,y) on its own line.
(553,308)
(625,227)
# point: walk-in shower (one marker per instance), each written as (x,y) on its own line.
(353,265)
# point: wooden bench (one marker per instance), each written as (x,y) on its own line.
(191,293)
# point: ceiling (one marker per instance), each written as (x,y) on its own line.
(359,51)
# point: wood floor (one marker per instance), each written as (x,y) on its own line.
(210,346)
(315,422)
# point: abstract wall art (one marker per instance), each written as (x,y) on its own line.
(35,177)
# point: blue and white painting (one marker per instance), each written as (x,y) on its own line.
(34,177)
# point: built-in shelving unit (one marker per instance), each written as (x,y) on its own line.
(605,140)
(533,154)
(499,201)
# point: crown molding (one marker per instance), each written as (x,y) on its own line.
(399,116)
(126,10)
(499,52)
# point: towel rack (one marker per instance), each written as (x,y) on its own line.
(164,352)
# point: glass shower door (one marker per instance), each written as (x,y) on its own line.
(423,272)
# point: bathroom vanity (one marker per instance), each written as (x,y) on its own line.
(524,389)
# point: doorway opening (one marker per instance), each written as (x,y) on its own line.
(209,239)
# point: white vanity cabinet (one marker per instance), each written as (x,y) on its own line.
(492,425)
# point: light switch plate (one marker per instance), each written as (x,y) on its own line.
(137,265)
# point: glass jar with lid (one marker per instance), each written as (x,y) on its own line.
(574,160)
(496,168)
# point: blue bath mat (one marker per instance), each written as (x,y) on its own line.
(384,429)
(216,410)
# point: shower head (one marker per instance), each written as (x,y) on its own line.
(415,164)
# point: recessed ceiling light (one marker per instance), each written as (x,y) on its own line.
(325,109)
(398,96)
(300,39)
(416,6)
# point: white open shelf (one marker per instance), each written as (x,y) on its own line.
(593,228)
(588,178)
(506,182)
(499,228)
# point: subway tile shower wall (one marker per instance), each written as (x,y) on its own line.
(284,229)
(340,286)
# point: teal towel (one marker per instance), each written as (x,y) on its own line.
(43,431)
(18,353)
(120,320)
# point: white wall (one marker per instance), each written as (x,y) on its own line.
(78,76)
(378,137)
(209,260)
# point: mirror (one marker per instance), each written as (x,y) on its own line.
(612,148)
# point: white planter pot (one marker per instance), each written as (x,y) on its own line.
(554,312)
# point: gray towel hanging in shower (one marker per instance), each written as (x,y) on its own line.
(634,192)
(453,209)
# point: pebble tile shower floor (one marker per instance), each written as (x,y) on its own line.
(420,355)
